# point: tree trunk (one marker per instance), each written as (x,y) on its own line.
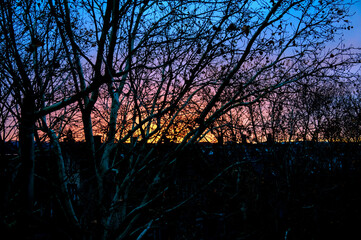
(251,114)
(92,183)
(27,156)
(65,199)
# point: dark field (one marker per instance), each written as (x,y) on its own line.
(275,191)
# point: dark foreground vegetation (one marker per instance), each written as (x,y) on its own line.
(299,190)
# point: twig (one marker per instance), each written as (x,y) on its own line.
(209,183)
(145,230)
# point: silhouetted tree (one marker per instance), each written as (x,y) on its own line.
(144,71)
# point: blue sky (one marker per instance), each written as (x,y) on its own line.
(354,35)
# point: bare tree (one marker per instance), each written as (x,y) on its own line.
(144,71)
